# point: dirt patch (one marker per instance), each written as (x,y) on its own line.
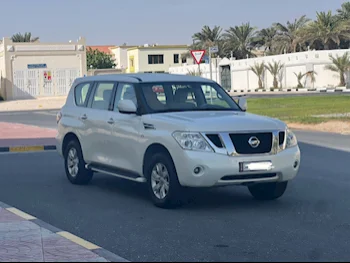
(341,127)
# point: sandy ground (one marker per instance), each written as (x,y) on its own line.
(341,127)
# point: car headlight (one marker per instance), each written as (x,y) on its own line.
(291,139)
(192,141)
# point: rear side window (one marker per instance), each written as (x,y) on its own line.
(80,94)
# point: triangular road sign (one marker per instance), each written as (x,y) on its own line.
(197,55)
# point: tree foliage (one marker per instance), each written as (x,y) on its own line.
(328,31)
(26,37)
(99,60)
(340,64)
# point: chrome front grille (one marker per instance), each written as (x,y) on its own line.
(237,144)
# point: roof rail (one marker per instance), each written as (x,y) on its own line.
(136,78)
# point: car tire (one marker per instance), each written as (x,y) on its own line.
(75,165)
(268,191)
(165,166)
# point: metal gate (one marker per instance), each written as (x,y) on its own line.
(226,78)
(35,83)
(64,80)
(25,84)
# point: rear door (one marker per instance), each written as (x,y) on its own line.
(97,119)
(75,114)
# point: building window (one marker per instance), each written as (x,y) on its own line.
(155,59)
(176,58)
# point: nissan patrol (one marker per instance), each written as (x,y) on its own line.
(172,132)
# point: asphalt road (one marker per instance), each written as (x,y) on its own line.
(41,118)
(310,222)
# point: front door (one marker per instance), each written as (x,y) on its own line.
(125,132)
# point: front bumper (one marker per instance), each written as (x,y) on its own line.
(217,169)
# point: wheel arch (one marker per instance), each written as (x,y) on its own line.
(150,151)
(67,138)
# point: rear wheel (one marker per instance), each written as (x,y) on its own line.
(75,164)
(162,181)
(268,191)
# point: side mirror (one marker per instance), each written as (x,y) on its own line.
(242,102)
(127,106)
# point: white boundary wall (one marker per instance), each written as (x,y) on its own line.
(243,79)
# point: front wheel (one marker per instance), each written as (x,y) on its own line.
(268,191)
(75,165)
(162,181)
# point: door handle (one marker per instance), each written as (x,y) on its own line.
(84,117)
(110,121)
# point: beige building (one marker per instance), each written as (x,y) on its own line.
(120,54)
(155,58)
(29,70)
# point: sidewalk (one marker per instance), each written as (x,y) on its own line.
(33,104)
(24,238)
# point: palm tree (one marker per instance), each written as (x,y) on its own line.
(27,37)
(327,29)
(344,12)
(259,70)
(288,35)
(240,40)
(340,64)
(310,74)
(299,77)
(274,68)
(266,37)
(206,38)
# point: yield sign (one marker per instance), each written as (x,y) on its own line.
(197,55)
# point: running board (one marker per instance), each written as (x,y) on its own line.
(115,173)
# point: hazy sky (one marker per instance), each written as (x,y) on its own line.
(113,22)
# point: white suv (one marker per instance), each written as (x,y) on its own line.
(172,132)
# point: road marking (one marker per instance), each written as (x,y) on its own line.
(78,240)
(20,214)
(26,148)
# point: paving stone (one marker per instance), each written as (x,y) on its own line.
(20,251)
(8,217)
(71,253)
(33,236)
(18,226)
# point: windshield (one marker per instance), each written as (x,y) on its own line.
(192,96)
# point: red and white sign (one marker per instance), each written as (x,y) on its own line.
(197,55)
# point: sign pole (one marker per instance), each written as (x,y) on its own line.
(210,69)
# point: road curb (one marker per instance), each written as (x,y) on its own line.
(79,241)
(33,148)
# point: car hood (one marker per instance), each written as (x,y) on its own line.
(210,121)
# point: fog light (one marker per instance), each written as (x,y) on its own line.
(295,164)
(197,170)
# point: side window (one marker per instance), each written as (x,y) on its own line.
(102,96)
(212,97)
(125,92)
(80,93)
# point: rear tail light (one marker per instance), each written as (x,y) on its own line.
(58,117)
